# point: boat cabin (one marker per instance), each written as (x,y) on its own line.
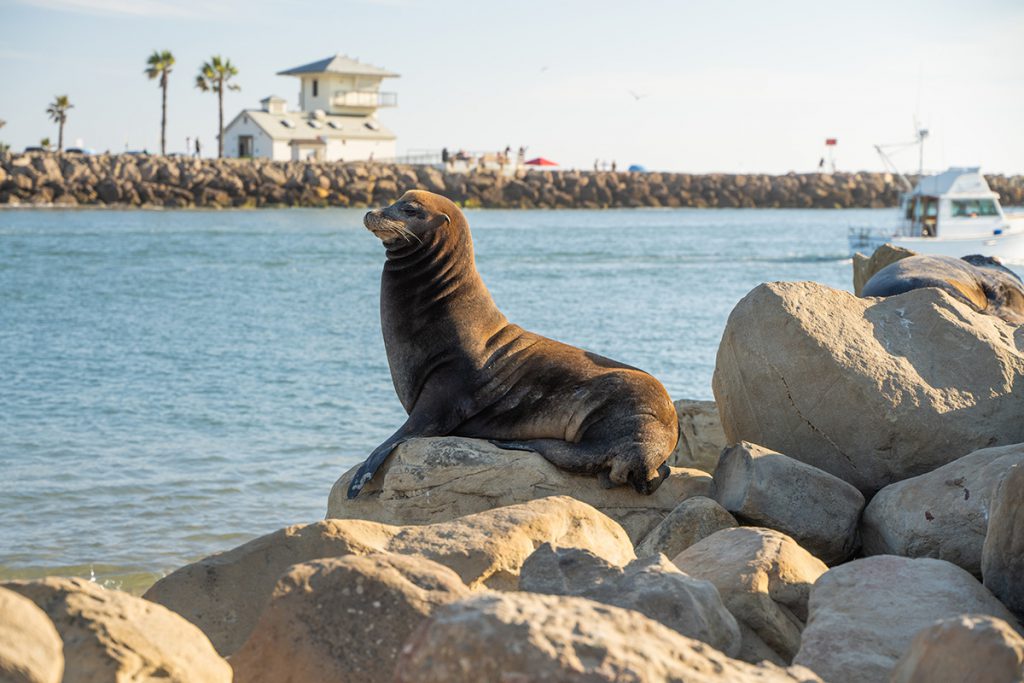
(954,204)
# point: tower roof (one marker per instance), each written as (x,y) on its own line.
(338,64)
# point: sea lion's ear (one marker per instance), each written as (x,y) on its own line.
(447,218)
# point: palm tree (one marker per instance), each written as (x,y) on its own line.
(58,111)
(159,65)
(214,75)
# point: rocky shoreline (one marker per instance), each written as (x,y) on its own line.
(849,508)
(61,180)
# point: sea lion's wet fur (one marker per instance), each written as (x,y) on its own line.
(980,281)
(461,369)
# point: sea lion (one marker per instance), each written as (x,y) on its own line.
(980,281)
(461,369)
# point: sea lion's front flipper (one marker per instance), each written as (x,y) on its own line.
(410,430)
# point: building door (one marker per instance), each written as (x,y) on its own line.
(244,146)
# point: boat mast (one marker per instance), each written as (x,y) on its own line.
(883,150)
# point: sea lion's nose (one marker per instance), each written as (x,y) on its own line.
(372,217)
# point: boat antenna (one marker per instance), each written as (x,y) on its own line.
(885,150)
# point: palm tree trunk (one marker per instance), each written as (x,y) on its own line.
(163,117)
(220,127)
(60,135)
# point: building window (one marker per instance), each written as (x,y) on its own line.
(316,90)
(244,146)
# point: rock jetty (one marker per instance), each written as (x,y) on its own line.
(861,523)
(175,182)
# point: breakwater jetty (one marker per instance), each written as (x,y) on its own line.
(64,180)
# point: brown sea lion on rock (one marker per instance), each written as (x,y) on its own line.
(980,281)
(461,369)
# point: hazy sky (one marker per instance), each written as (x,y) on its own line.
(726,86)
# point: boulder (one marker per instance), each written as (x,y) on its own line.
(764,578)
(520,637)
(765,488)
(870,390)
(864,614)
(701,438)
(964,649)
(330,619)
(942,514)
(224,594)
(112,636)
(652,586)
(864,267)
(437,479)
(693,519)
(30,647)
(1002,556)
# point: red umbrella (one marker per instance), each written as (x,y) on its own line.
(541,161)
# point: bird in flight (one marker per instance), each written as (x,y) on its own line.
(637,96)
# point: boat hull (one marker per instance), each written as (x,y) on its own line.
(1008,246)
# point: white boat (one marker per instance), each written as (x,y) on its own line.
(954,213)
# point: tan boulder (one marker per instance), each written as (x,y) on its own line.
(942,514)
(864,614)
(765,488)
(224,594)
(764,578)
(437,479)
(1002,557)
(963,649)
(343,618)
(521,637)
(870,390)
(112,636)
(701,438)
(864,267)
(652,586)
(30,647)
(693,519)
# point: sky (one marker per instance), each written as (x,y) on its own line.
(729,86)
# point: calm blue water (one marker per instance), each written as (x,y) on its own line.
(175,383)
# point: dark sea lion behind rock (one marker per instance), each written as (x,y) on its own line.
(980,281)
(461,369)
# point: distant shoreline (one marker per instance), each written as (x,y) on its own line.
(62,181)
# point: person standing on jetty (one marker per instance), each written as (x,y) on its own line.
(199,149)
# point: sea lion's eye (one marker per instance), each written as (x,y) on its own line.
(410,211)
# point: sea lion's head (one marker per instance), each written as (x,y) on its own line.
(413,218)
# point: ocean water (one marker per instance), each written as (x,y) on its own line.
(173,384)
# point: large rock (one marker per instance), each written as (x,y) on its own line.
(765,488)
(224,594)
(653,586)
(870,390)
(942,514)
(438,479)
(112,636)
(1002,557)
(693,519)
(520,637)
(963,649)
(864,614)
(330,620)
(865,267)
(701,438)
(30,647)
(764,578)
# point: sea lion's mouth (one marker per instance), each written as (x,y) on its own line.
(387,229)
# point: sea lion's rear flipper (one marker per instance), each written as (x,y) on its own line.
(571,457)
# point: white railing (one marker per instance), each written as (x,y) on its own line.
(358,98)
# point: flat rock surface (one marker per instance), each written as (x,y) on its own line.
(438,479)
(872,391)
(521,637)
